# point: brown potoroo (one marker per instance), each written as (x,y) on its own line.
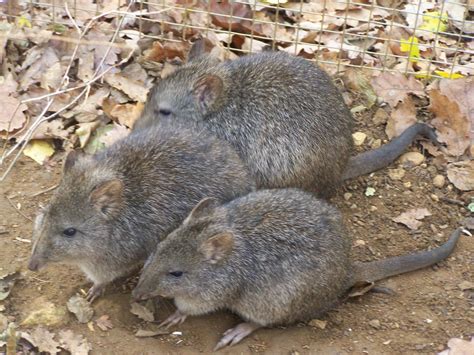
(111,209)
(282,114)
(274,257)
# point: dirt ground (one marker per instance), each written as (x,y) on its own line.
(426,309)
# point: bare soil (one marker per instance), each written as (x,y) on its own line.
(426,309)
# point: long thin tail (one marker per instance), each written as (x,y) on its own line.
(379,158)
(381,269)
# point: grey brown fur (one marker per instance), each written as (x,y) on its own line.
(281,113)
(273,257)
(125,199)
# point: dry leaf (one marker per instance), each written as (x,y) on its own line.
(412,217)
(126,114)
(12,117)
(52,77)
(87,111)
(44,340)
(39,150)
(395,87)
(85,70)
(6,284)
(39,60)
(402,117)
(358,81)
(168,51)
(133,89)
(458,346)
(81,308)
(142,312)
(113,134)
(47,314)
(76,344)
(453,127)
(461,174)
(104,323)
(51,129)
(84,132)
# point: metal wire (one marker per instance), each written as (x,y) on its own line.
(331,36)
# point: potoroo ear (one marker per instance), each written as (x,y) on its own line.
(217,247)
(107,198)
(207,90)
(203,208)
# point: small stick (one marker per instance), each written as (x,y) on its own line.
(44,191)
(451,200)
(16,209)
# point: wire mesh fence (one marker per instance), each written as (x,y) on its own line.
(424,38)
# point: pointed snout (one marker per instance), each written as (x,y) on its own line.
(35,263)
(138,295)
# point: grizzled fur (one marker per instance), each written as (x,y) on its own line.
(289,261)
(272,256)
(283,114)
(125,199)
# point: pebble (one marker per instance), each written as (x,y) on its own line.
(359,243)
(373,208)
(439,181)
(375,323)
(321,324)
(434,197)
(396,174)
(407,184)
(376,143)
(380,117)
(359,138)
(411,159)
(347,196)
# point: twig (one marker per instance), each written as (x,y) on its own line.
(44,191)
(16,209)
(20,145)
(451,200)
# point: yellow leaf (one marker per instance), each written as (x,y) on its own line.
(434,22)
(23,21)
(449,75)
(422,75)
(275,2)
(410,45)
(39,150)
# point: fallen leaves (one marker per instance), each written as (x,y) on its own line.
(132,88)
(142,312)
(6,284)
(452,103)
(412,218)
(104,323)
(46,314)
(12,117)
(402,117)
(458,346)
(39,150)
(81,308)
(75,343)
(461,174)
(44,340)
(395,87)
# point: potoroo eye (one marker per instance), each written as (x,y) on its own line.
(176,273)
(69,232)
